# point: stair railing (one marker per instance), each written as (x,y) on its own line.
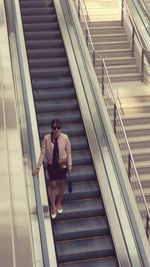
(113,108)
(145,67)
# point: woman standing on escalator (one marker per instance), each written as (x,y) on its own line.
(56,151)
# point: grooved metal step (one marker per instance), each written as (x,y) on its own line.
(81,228)
(84,248)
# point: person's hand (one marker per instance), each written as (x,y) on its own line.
(69,170)
(35,171)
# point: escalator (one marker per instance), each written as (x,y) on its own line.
(82,235)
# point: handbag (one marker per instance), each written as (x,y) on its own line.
(63,164)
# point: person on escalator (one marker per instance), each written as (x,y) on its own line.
(56,151)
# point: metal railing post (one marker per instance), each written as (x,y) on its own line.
(122,7)
(87,37)
(103,87)
(79,7)
(115,117)
(94,59)
(147,226)
(142,65)
(129,166)
(133,33)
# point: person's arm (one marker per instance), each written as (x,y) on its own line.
(69,156)
(41,158)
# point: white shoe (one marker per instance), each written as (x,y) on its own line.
(60,211)
(53,216)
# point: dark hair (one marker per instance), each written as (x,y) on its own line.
(57,122)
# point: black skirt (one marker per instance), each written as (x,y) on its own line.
(56,173)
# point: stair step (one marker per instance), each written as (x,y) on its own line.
(143,167)
(135,119)
(48,62)
(117,61)
(144,179)
(81,228)
(104,23)
(36,27)
(44,44)
(84,248)
(106,30)
(135,99)
(139,154)
(108,37)
(123,77)
(39,18)
(135,142)
(137,130)
(114,45)
(82,190)
(118,69)
(98,262)
(114,52)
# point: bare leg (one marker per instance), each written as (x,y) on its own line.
(52,193)
(61,193)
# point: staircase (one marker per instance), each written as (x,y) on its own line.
(136,119)
(110,41)
(82,235)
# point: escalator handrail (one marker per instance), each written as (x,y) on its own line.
(140,238)
(31,124)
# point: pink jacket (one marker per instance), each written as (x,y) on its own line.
(47,150)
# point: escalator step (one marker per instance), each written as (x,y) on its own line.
(57,104)
(39,18)
(64,93)
(84,248)
(48,62)
(49,72)
(83,158)
(81,228)
(44,44)
(37,10)
(34,27)
(33,4)
(72,117)
(45,35)
(98,262)
(82,208)
(82,190)
(52,83)
(46,53)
